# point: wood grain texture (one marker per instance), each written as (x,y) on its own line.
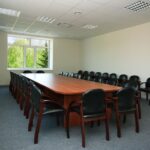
(67,85)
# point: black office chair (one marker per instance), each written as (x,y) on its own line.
(93,107)
(41,107)
(104,77)
(27,71)
(91,76)
(79,74)
(40,71)
(134,79)
(85,75)
(134,83)
(112,80)
(66,74)
(122,80)
(97,77)
(146,88)
(125,103)
(12,83)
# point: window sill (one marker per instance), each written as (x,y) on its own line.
(34,69)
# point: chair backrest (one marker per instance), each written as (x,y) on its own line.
(147,84)
(80,74)
(134,81)
(97,77)
(85,75)
(134,78)
(25,86)
(27,71)
(104,77)
(91,76)
(126,98)
(71,74)
(93,102)
(112,79)
(66,74)
(35,96)
(40,71)
(122,80)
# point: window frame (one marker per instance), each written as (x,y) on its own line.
(50,52)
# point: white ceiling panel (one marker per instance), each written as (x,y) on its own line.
(71,15)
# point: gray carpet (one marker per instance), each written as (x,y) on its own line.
(14,134)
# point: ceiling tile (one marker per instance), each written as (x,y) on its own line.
(109,15)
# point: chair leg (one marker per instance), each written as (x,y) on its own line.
(31,120)
(118,124)
(92,124)
(25,105)
(28,110)
(82,130)
(57,119)
(37,127)
(21,101)
(147,96)
(124,118)
(136,121)
(67,124)
(107,129)
(117,115)
(98,122)
(139,109)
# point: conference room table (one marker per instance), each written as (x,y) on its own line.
(67,89)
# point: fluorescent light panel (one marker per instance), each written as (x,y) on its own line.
(89,26)
(46,19)
(9,12)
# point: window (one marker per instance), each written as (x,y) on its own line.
(29,52)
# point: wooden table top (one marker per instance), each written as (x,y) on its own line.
(67,85)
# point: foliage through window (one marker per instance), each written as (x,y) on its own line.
(28,52)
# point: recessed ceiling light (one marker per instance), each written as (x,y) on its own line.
(77,13)
(9,12)
(63,24)
(46,19)
(89,26)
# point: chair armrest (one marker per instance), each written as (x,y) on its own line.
(115,98)
(75,103)
(142,83)
(47,101)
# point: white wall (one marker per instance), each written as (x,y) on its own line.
(4,74)
(124,51)
(66,57)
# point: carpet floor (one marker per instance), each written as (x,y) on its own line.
(14,134)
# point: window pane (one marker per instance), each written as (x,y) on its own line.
(18,41)
(15,57)
(30,58)
(42,58)
(39,42)
(28,52)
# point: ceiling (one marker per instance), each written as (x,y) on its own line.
(69,17)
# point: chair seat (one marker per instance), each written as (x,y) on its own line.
(127,110)
(52,109)
(145,89)
(85,114)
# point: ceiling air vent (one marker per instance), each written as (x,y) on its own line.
(138,6)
